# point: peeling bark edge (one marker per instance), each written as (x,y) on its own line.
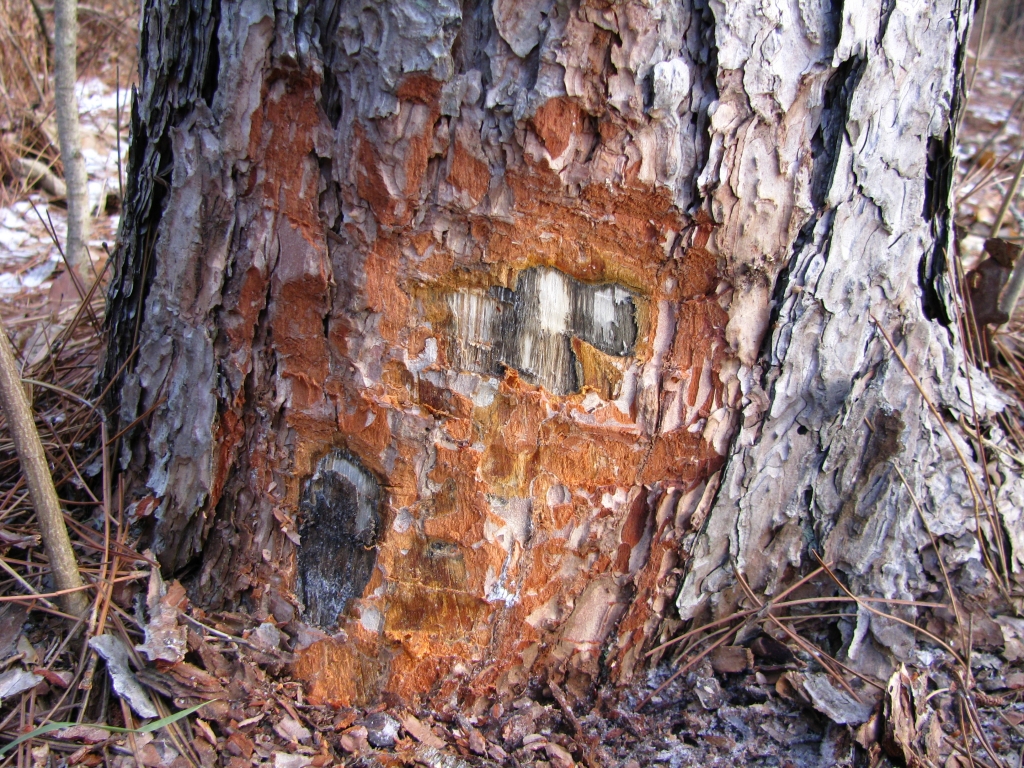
(177,65)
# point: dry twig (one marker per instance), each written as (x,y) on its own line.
(37,476)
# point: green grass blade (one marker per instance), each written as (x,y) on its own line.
(147,728)
(163,721)
(31,735)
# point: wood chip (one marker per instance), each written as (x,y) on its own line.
(900,730)
(421,732)
(477,743)
(289,729)
(60,679)
(282,760)
(166,639)
(17,680)
(354,740)
(731,659)
(206,731)
(240,745)
(252,720)
(124,681)
(87,734)
(194,679)
(559,755)
(838,705)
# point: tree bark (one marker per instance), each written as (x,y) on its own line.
(65,55)
(481,342)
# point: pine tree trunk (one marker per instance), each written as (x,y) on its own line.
(469,337)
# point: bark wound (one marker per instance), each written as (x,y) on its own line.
(376,222)
(532,328)
(536,522)
(340,509)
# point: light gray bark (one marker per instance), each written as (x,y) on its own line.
(343,200)
(65,55)
(827,409)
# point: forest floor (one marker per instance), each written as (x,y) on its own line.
(769,698)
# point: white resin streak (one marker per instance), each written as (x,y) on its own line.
(554,301)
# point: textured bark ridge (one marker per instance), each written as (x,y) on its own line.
(828,411)
(442,351)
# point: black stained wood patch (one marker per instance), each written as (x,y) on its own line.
(531,328)
(338,533)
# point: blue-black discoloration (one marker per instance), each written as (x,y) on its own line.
(339,530)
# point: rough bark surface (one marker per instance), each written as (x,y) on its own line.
(478,292)
(858,245)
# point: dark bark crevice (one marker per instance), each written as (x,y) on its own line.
(700,45)
(832,132)
(937,302)
(933,267)
(175,51)
(212,69)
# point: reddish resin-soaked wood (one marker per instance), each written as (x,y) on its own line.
(523,532)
